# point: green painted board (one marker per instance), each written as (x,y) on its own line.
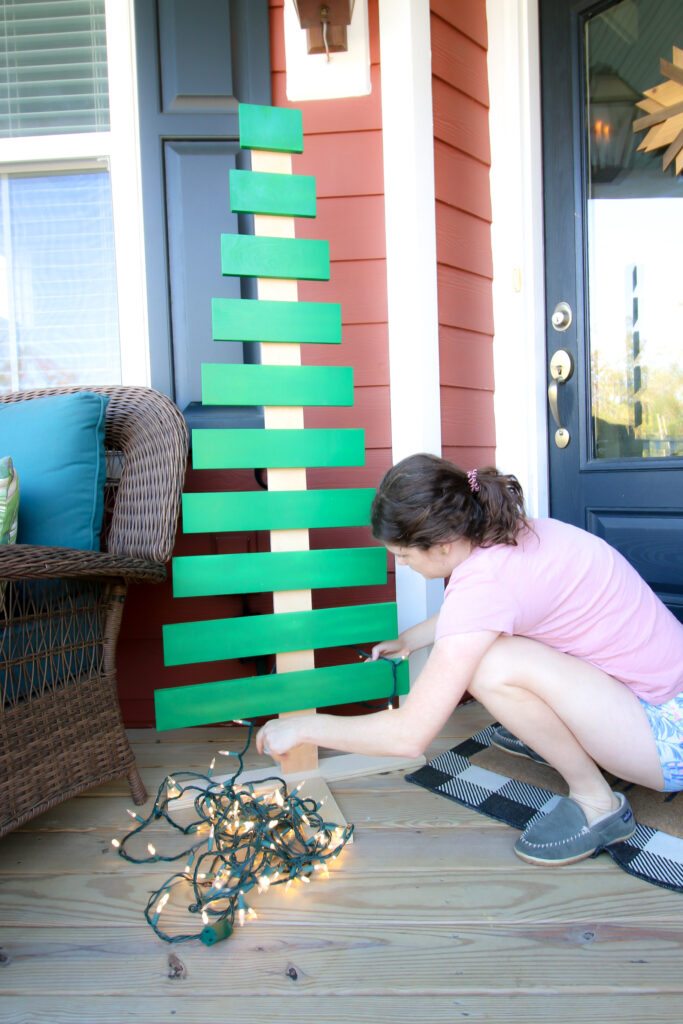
(283,195)
(217,448)
(276,128)
(223,512)
(306,259)
(272,320)
(251,573)
(256,384)
(205,703)
(187,643)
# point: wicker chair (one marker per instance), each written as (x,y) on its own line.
(61,730)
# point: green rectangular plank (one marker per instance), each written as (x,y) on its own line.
(223,512)
(282,195)
(255,384)
(274,320)
(206,703)
(247,636)
(256,448)
(251,573)
(305,259)
(275,128)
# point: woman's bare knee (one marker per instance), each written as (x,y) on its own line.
(499,667)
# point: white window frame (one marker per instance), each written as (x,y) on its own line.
(117,148)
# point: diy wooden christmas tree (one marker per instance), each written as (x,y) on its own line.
(281,324)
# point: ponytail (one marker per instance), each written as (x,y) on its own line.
(425,500)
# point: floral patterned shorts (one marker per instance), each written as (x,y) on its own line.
(666,722)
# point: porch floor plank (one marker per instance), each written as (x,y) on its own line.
(429,916)
(506,1008)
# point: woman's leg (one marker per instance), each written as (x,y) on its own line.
(571,713)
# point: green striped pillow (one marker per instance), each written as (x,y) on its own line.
(9,501)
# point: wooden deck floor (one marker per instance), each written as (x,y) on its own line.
(428,918)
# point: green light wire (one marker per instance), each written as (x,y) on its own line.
(253,842)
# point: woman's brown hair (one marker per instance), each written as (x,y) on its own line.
(425,500)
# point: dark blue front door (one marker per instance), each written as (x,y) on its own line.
(614,286)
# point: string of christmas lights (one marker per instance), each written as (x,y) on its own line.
(245,837)
(394,663)
(248,839)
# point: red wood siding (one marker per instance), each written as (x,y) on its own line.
(343,150)
(463,229)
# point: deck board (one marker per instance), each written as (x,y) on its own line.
(429,904)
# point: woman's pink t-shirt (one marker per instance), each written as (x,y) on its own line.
(571,590)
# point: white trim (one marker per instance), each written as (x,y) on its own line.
(409,201)
(126,186)
(36,149)
(517,242)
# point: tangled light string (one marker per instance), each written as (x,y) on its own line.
(249,840)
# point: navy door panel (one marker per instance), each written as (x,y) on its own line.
(612,217)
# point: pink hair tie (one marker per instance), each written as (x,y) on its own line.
(473,480)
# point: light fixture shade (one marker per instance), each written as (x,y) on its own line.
(334,12)
(325,22)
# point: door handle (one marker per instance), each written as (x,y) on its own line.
(561,369)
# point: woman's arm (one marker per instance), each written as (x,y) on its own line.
(412,639)
(403,732)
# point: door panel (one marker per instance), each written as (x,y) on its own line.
(613,221)
(195,75)
(196,61)
(197,212)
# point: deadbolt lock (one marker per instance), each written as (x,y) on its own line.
(562,316)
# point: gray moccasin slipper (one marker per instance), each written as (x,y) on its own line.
(505,740)
(564,836)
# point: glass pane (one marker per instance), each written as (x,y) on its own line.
(634,224)
(53,67)
(58,300)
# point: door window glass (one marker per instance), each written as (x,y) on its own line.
(634,227)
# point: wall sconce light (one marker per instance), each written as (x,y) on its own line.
(329,58)
(325,22)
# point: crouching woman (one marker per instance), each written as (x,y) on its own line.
(548,627)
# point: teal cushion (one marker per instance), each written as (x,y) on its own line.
(57,446)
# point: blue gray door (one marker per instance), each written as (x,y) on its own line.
(196,60)
(614,287)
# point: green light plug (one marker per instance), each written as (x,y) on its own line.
(213,933)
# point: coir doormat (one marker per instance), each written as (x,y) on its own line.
(514,790)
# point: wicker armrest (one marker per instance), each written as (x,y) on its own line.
(33,561)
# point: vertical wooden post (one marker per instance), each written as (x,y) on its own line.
(305,757)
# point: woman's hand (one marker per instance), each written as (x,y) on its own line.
(410,640)
(390,649)
(279,735)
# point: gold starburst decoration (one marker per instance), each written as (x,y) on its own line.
(664,113)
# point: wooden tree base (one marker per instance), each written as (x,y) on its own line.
(315,781)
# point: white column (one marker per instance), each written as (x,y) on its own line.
(517,241)
(408,144)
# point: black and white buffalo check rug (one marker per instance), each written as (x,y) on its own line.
(651,854)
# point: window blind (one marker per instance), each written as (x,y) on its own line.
(53,67)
